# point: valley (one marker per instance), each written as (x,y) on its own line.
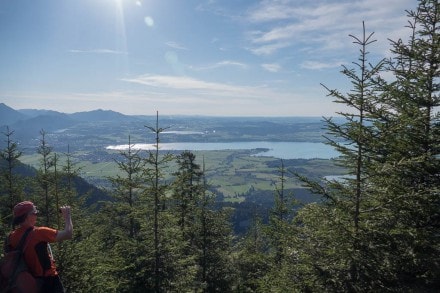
(239,173)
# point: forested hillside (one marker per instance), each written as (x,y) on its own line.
(374,230)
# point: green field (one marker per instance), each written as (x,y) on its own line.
(230,172)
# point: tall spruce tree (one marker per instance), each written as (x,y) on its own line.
(250,258)
(44,184)
(187,193)
(205,230)
(170,271)
(386,214)
(280,216)
(410,180)
(342,258)
(213,242)
(70,263)
(11,183)
(281,235)
(123,216)
(126,188)
(155,191)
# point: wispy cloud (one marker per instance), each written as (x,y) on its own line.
(316,65)
(273,67)
(184,83)
(326,23)
(175,45)
(269,48)
(225,63)
(97,51)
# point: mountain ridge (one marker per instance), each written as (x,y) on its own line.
(9,115)
(23,118)
(107,127)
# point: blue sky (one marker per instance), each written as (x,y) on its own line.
(190,57)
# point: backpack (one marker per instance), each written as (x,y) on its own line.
(14,272)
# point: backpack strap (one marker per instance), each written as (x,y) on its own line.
(23,239)
(7,245)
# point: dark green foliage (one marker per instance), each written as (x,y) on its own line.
(45,180)
(411,165)
(205,230)
(377,228)
(251,259)
(213,243)
(338,236)
(187,193)
(12,184)
(161,243)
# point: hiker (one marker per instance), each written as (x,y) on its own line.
(37,252)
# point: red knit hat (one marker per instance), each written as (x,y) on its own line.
(24,207)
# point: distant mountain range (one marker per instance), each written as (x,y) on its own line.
(31,122)
(50,120)
(12,117)
(83,128)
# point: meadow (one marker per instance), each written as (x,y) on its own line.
(231,173)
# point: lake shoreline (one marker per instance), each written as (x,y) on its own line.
(282,150)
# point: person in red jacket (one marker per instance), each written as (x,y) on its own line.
(37,252)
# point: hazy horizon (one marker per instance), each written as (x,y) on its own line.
(176,115)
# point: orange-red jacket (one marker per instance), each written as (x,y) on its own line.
(36,250)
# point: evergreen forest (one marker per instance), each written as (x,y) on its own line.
(377,229)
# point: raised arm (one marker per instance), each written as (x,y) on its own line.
(67,233)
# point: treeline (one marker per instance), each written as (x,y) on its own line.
(375,230)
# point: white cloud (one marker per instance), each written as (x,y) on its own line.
(271,67)
(175,45)
(322,23)
(269,49)
(271,10)
(180,82)
(210,89)
(220,64)
(316,65)
(97,51)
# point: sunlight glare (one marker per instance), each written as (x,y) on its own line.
(120,26)
(149,21)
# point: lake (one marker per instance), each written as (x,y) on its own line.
(282,150)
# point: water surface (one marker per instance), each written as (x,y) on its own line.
(282,150)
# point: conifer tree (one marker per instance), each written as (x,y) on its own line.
(205,230)
(156,190)
(126,189)
(281,235)
(71,171)
(126,213)
(344,262)
(187,193)
(409,181)
(69,263)
(213,236)
(386,214)
(12,184)
(44,181)
(281,214)
(250,258)
(169,264)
